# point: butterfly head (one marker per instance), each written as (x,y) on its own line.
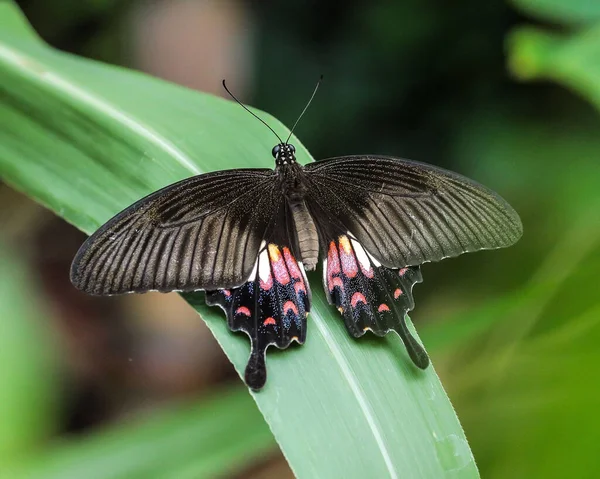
(284,154)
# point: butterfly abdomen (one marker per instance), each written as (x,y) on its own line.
(293,185)
(308,240)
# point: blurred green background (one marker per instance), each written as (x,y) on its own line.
(503,92)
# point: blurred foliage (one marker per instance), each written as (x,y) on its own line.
(186,441)
(513,332)
(576,12)
(28,381)
(80,27)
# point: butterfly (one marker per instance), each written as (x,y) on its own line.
(247,237)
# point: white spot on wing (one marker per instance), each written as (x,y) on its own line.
(253,273)
(361,254)
(264,267)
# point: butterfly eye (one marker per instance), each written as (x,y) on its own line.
(292,148)
(275,151)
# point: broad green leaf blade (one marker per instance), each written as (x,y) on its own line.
(573,61)
(560,11)
(192,441)
(87,140)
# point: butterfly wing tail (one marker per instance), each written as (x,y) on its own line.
(401,301)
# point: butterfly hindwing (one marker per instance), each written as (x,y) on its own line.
(369,296)
(200,233)
(271,308)
(406,213)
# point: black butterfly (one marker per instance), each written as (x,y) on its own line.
(246,237)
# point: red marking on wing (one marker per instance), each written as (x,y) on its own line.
(347,258)
(333,268)
(292,264)
(402,271)
(269,321)
(356,298)
(278,264)
(335,281)
(383,307)
(295,271)
(289,305)
(397,293)
(368,272)
(243,310)
(226,292)
(268,284)
(333,262)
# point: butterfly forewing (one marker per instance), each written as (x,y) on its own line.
(406,213)
(200,233)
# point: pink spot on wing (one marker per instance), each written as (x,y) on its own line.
(358,298)
(226,292)
(383,307)
(368,272)
(335,281)
(333,261)
(269,321)
(333,268)
(268,284)
(243,310)
(347,258)
(290,306)
(402,271)
(278,265)
(295,272)
(397,293)
(292,264)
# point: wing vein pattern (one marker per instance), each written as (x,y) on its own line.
(200,233)
(406,213)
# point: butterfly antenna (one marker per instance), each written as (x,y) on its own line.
(252,113)
(305,108)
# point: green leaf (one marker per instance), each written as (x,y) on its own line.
(573,61)
(87,139)
(560,11)
(188,441)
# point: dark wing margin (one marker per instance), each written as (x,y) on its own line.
(203,232)
(406,213)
